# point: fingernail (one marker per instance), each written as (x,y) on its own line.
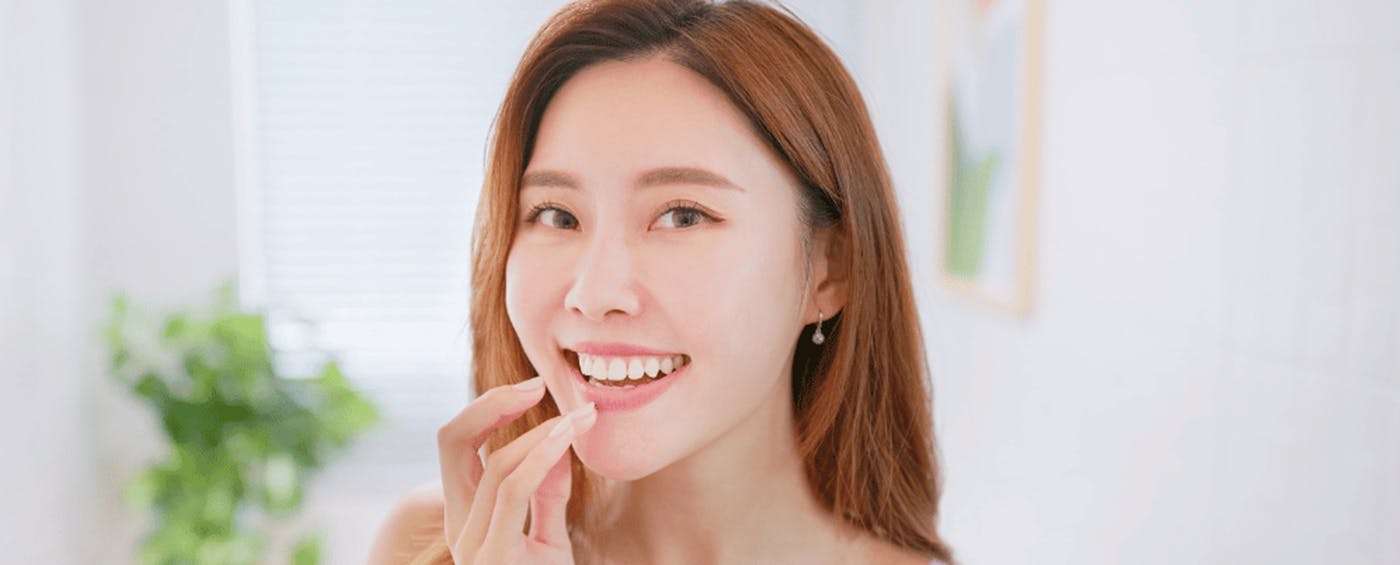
(529,385)
(585,415)
(581,410)
(565,424)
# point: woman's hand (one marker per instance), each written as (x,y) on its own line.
(485,503)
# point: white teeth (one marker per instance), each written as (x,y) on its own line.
(621,369)
(617,370)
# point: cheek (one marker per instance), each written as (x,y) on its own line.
(527,285)
(735,271)
(734,301)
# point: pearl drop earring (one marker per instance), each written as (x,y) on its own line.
(817,337)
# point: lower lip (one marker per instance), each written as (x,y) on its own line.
(617,399)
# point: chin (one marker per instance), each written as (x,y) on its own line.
(615,458)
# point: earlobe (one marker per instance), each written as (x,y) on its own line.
(831,295)
(830,292)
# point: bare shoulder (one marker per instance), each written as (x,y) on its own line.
(882,551)
(413,523)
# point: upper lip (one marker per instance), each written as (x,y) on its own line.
(615,349)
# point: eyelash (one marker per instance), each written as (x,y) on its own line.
(678,205)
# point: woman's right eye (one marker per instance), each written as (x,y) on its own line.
(553,216)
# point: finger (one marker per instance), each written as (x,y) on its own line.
(513,496)
(549,507)
(459,440)
(498,466)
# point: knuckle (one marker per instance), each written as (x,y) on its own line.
(451,439)
(444,433)
(459,428)
(495,470)
(513,489)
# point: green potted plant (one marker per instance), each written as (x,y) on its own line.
(242,439)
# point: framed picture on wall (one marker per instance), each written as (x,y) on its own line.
(992,149)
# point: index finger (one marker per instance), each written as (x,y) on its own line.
(462,436)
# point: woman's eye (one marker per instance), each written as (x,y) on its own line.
(553,216)
(675,217)
(681,217)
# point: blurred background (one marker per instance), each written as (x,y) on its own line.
(1209,371)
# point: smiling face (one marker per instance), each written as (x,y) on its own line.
(653,217)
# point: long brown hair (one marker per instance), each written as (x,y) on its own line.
(862,400)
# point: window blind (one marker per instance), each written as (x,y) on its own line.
(369,125)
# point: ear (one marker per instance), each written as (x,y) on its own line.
(830,274)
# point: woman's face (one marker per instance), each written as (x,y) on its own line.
(653,218)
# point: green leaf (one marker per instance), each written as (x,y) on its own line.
(281,479)
(140,493)
(152,388)
(307,551)
(175,326)
(120,356)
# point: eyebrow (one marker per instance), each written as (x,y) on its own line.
(654,177)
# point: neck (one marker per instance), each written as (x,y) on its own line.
(743,498)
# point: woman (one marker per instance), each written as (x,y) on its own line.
(688,233)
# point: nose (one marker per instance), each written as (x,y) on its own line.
(604,281)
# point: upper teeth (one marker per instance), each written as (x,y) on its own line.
(619,368)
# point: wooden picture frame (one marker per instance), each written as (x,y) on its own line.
(991,175)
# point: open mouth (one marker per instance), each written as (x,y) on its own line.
(625,371)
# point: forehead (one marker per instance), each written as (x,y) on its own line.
(615,119)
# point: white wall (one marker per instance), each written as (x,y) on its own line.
(1212,371)
(158,197)
(44,425)
(116,164)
